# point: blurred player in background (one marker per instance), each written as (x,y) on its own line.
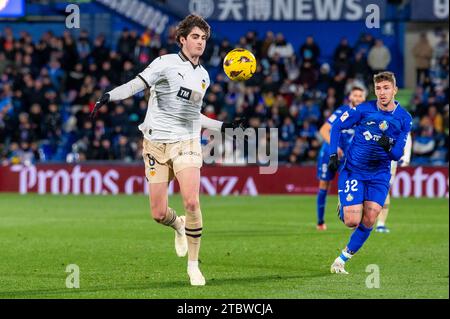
(381,130)
(357,96)
(171,130)
(404,161)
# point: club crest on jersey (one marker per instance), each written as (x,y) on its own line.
(383,126)
(203,84)
(349,198)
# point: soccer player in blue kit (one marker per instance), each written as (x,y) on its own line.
(357,96)
(381,129)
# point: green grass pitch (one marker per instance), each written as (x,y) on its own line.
(252,247)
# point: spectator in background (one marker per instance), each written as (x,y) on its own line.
(423,52)
(310,52)
(123,150)
(267,42)
(343,56)
(359,69)
(379,57)
(364,44)
(52,104)
(435,118)
(424,142)
(280,47)
(83,46)
(441,48)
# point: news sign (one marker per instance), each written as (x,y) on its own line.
(279,10)
(12,8)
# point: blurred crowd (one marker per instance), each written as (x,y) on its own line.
(49,87)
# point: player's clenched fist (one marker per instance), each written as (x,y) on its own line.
(385,143)
(333,163)
(102,101)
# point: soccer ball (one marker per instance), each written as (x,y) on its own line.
(239,64)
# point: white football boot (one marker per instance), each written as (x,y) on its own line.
(196,276)
(338,267)
(181,246)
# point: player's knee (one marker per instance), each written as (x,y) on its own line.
(370,216)
(369,221)
(191,204)
(352,218)
(324,185)
(351,223)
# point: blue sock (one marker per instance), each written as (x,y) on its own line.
(358,238)
(321,199)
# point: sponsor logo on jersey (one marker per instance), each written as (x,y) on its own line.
(383,125)
(344,116)
(367,135)
(203,84)
(370,123)
(194,97)
(332,118)
(184,93)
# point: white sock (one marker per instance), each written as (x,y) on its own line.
(380,224)
(192,263)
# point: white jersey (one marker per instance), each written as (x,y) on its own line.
(177,88)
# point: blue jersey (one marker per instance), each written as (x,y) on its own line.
(346,134)
(324,155)
(365,156)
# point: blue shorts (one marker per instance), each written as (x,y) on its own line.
(323,173)
(354,188)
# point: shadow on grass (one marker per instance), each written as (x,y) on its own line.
(152,286)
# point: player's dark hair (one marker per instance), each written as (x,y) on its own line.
(385,76)
(190,22)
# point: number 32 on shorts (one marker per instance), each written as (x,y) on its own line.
(351,185)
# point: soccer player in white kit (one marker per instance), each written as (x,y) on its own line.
(171,130)
(404,161)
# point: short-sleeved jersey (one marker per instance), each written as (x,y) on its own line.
(177,88)
(346,134)
(365,156)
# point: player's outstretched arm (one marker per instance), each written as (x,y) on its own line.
(119,93)
(143,80)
